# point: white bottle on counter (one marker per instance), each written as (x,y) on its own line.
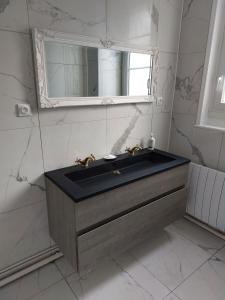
(152,142)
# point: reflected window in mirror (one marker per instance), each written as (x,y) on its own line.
(79,71)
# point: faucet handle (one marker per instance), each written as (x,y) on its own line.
(78,161)
(128,149)
(93,157)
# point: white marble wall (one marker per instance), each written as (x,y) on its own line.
(54,138)
(201,145)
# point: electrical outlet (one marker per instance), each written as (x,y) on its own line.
(159,101)
(23,110)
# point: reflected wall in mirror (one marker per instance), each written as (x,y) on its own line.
(79,71)
(70,72)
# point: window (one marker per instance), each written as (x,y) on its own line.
(211,112)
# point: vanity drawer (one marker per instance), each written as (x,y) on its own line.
(106,205)
(128,230)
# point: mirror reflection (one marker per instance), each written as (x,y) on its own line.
(80,71)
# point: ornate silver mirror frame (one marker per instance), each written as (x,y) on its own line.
(40,36)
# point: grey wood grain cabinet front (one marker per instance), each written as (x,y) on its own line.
(115,220)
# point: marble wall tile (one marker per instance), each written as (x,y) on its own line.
(68,133)
(161,129)
(63,144)
(23,232)
(166,81)
(206,283)
(188,83)
(198,9)
(181,132)
(21,173)
(62,116)
(209,144)
(31,284)
(195,25)
(127,132)
(169,24)
(140,29)
(13,15)
(200,145)
(128,110)
(86,17)
(194,35)
(16,80)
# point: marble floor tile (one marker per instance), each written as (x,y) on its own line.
(109,282)
(64,267)
(170,257)
(207,283)
(31,284)
(171,296)
(199,236)
(59,291)
(221,254)
(175,264)
(141,276)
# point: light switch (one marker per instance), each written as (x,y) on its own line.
(23,110)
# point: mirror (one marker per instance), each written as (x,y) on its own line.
(70,73)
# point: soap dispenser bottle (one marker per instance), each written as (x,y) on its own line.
(152,142)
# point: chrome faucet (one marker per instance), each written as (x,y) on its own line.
(133,150)
(85,162)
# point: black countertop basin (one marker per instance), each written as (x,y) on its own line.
(80,183)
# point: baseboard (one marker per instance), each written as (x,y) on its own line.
(28,265)
(205,226)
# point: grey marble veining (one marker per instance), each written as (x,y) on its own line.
(196,274)
(194,149)
(58,14)
(185,86)
(187,9)
(117,147)
(65,133)
(3,5)
(155,16)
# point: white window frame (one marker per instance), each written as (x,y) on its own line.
(150,68)
(210,96)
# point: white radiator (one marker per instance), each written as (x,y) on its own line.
(206,196)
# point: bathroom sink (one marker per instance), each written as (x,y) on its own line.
(107,173)
(80,182)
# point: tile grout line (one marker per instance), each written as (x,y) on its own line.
(65,279)
(14,31)
(145,267)
(21,207)
(174,85)
(213,255)
(45,289)
(221,146)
